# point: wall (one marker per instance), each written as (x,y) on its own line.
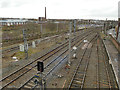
(115,42)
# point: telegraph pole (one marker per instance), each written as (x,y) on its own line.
(25,44)
(74,26)
(106,26)
(57,27)
(41,26)
(69,60)
(85,26)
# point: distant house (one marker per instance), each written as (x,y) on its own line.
(9,22)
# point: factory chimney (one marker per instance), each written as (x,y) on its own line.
(45,12)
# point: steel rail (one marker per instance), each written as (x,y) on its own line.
(78,66)
(86,67)
(87,64)
(37,59)
(27,70)
(107,72)
(45,67)
(111,71)
(32,62)
(31,69)
(46,74)
(29,44)
(55,66)
(18,77)
(97,70)
(45,77)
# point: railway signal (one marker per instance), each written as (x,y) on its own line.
(40,67)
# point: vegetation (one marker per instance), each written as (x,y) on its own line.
(14,34)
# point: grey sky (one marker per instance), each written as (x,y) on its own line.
(65,9)
(119,9)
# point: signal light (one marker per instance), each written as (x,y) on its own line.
(40,66)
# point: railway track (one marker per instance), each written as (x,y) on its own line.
(29,44)
(79,75)
(101,76)
(109,68)
(106,79)
(102,68)
(27,68)
(59,60)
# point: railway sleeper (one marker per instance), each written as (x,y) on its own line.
(30,84)
(80,73)
(77,81)
(80,76)
(27,86)
(75,86)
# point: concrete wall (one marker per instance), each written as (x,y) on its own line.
(115,42)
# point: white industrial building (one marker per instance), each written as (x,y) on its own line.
(9,22)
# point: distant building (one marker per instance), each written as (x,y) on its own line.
(9,22)
(41,19)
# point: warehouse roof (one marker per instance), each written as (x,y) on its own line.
(11,20)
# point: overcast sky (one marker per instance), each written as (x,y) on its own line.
(60,9)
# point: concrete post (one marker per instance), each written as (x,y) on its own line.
(33,44)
